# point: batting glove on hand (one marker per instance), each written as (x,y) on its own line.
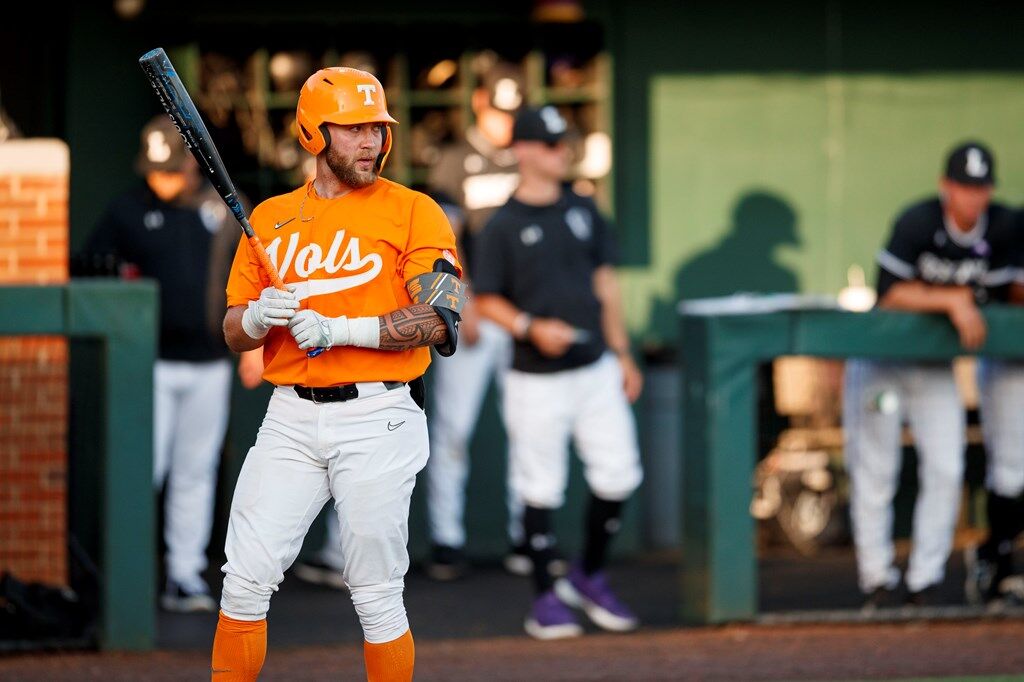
(313,330)
(273,309)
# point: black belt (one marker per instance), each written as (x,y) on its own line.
(338,394)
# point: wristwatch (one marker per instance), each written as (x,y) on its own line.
(521,325)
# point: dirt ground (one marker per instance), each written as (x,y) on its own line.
(741,653)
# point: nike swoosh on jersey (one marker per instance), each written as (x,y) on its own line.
(278,226)
(392,427)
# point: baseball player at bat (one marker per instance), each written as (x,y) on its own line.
(949,254)
(370,271)
(545,273)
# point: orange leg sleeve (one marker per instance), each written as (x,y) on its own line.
(391,661)
(239,648)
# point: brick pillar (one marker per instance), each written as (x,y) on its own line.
(33,369)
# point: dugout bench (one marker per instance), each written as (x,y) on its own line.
(111,330)
(720,354)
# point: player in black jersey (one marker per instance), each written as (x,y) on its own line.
(471,179)
(167,229)
(546,274)
(949,254)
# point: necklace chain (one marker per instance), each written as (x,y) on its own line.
(302,205)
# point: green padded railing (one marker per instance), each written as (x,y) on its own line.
(720,355)
(119,320)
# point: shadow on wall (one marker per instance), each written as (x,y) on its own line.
(744,259)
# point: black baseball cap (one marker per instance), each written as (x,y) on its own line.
(971,163)
(539,125)
(161,147)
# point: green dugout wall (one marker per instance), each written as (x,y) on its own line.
(781,182)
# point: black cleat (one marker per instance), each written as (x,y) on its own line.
(1011,590)
(981,583)
(880,598)
(925,597)
(193,597)
(446,563)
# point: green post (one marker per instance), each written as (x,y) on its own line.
(124,315)
(719,449)
(123,318)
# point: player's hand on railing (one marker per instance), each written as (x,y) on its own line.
(968,320)
(551,336)
(274,308)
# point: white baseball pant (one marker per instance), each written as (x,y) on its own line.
(587,403)
(1001,390)
(878,397)
(458,386)
(330,552)
(365,453)
(190,415)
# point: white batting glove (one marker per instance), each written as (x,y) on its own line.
(313,330)
(273,309)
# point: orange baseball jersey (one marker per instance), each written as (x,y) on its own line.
(348,256)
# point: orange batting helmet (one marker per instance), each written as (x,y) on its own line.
(344,96)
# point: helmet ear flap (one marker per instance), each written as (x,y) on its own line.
(324,136)
(385,148)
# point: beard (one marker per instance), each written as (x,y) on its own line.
(347,173)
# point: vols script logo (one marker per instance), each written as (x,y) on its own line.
(356,269)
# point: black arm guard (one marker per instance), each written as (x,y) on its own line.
(450,318)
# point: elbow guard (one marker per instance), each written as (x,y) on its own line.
(443,290)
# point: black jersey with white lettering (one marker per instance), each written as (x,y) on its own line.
(542,259)
(171,243)
(925,245)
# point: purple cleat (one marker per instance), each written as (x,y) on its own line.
(551,619)
(593,594)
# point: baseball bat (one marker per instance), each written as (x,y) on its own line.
(183,112)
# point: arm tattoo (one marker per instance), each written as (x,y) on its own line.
(411,327)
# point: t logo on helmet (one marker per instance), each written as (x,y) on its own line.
(367,89)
